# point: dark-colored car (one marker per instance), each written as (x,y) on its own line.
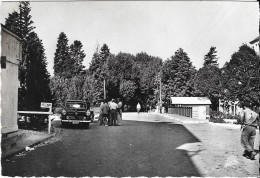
(77,112)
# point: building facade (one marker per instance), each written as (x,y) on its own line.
(255,44)
(11,54)
(199,106)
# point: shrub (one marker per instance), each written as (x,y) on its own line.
(217,117)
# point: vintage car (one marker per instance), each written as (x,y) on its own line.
(77,112)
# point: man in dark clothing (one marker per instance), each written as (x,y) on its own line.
(113,111)
(105,110)
(250,121)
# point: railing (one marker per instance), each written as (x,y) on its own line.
(36,118)
(183,111)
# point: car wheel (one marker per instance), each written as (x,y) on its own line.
(64,125)
(86,126)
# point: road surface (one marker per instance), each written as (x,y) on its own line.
(145,145)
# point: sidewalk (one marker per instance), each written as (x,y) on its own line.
(182,119)
(30,139)
(187,120)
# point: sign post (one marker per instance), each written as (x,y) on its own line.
(48,105)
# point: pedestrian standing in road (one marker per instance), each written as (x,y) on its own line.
(105,111)
(113,108)
(138,108)
(109,113)
(119,112)
(250,121)
(100,114)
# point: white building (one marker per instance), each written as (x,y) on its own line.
(11,54)
(195,107)
(255,44)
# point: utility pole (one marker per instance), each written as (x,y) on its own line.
(104,89)
(160,94)
(160,90)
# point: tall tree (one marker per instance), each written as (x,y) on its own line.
(240,78)
(98,68)
(211,57)
(208,82)
(21,24)
(99,59)
(37,76)
(33,75)
(94,64)
(120,69)
(77,55)
(177,73)
(62,61)
(149,67)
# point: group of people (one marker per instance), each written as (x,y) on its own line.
(110,113)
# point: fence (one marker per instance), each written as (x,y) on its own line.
(183,111)
(34,120)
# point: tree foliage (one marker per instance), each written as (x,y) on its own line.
(33,74)
(177,74)
(77,56)
(99,59)
(208,83)
(62,60)
(240,78)
(208,79)
(211,57)
(78,88)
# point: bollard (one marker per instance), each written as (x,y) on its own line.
(49,124)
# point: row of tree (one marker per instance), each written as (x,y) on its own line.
(133,78)
(136,78)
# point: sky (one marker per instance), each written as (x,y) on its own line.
(158,28)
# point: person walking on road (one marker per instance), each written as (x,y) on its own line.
(138,108)
(101,114)
(250,121)
(113,111)
(119,112)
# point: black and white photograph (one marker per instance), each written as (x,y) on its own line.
(130,88)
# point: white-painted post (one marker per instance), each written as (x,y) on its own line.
(48,105)
(49,124)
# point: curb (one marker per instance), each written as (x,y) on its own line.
(183,121)
(23,149)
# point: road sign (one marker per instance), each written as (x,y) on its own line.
(46,105)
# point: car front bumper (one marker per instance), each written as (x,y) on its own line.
(75,121)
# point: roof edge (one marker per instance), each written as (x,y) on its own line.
(254,40)
(3,27)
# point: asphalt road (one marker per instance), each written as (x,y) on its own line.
(136,148)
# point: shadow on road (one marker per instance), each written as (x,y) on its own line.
(161,142)
(135,149)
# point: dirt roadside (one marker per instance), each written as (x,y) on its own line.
(220,153)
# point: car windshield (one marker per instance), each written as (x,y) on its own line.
(76,105)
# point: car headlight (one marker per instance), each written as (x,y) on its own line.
(87,112)
(64,112)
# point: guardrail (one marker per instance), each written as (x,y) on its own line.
(38,113)
(183,111)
